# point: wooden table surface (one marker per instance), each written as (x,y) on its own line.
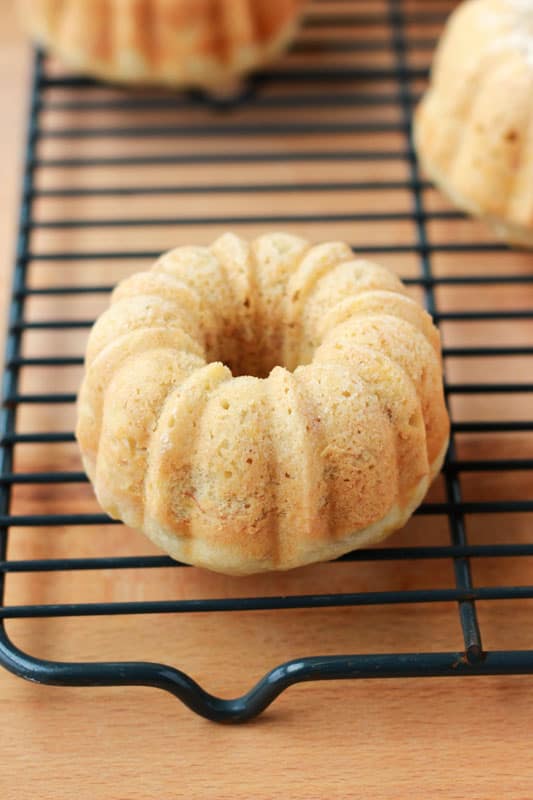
(394,739)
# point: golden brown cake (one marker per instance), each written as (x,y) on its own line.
(205,43)
(260,406)
(473,130)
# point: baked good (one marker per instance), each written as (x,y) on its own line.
(202,43)
(473,130)
(262,406)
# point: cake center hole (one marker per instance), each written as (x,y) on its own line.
(254,345)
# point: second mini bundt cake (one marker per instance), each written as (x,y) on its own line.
(473,130)
(264,405)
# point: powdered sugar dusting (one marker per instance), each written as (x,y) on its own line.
(514,19)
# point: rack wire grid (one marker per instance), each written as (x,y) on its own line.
(320,144)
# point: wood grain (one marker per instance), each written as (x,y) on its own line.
(384,740)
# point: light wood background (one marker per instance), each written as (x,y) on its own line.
(394,739)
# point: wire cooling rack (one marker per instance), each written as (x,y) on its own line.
(319,145)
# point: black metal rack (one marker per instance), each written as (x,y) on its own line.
(366,101)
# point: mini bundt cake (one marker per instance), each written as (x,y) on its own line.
(473,130)
(262,406)
(203,43)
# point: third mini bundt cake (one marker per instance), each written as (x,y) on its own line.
(204,43)
(473,130)
(258,406)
